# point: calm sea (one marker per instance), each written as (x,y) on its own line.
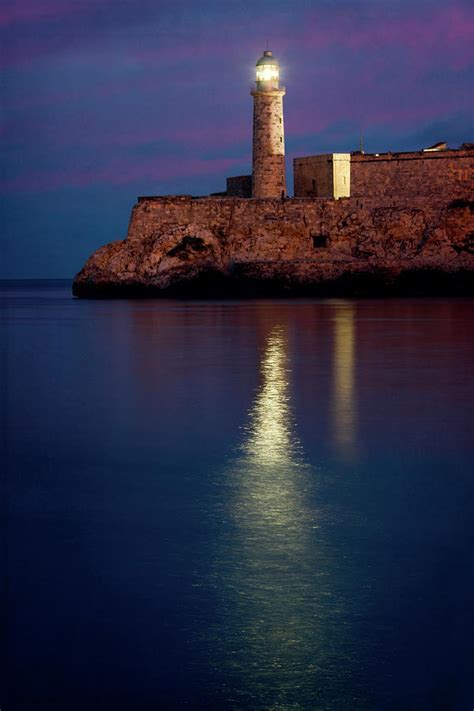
(237,505)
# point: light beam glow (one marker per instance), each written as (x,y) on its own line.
(268,72)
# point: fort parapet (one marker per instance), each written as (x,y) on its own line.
(445,174)
(356,220)
(184,245)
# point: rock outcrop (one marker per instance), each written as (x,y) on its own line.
(232,246)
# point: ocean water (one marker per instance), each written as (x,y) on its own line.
(236,505)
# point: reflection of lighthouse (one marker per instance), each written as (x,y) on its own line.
(270,565)
(268,157)
(270,436)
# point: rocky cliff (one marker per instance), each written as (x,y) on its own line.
(232,246)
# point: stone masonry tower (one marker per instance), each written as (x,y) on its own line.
(268,158)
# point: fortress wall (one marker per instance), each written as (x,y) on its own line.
(437,175)
(249,230)
(341,167)
(296,241)
(322,176)
(152,215)
(444,174)
(239,186)
(313,176)
(274,222)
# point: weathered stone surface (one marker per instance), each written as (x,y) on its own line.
(237,246)
(323,176)
(447,174)
(239,186)
(268,153)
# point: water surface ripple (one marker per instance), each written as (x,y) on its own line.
(237,505)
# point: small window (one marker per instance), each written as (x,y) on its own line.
(320,241)
(314,185)
(281,139)
(280,120)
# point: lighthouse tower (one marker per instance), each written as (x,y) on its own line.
(268,157)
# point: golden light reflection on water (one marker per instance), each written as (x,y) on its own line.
(343,405)
(269,440)
(269,569)
(272,455)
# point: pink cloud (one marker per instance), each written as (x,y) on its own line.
(18,11)
(443,33)
(119,171)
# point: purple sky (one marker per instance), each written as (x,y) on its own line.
(104,100)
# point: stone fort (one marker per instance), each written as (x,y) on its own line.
(388,216)
(421,173)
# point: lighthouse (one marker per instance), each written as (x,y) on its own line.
(268,154)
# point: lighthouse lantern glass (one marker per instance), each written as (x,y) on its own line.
(267,72)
